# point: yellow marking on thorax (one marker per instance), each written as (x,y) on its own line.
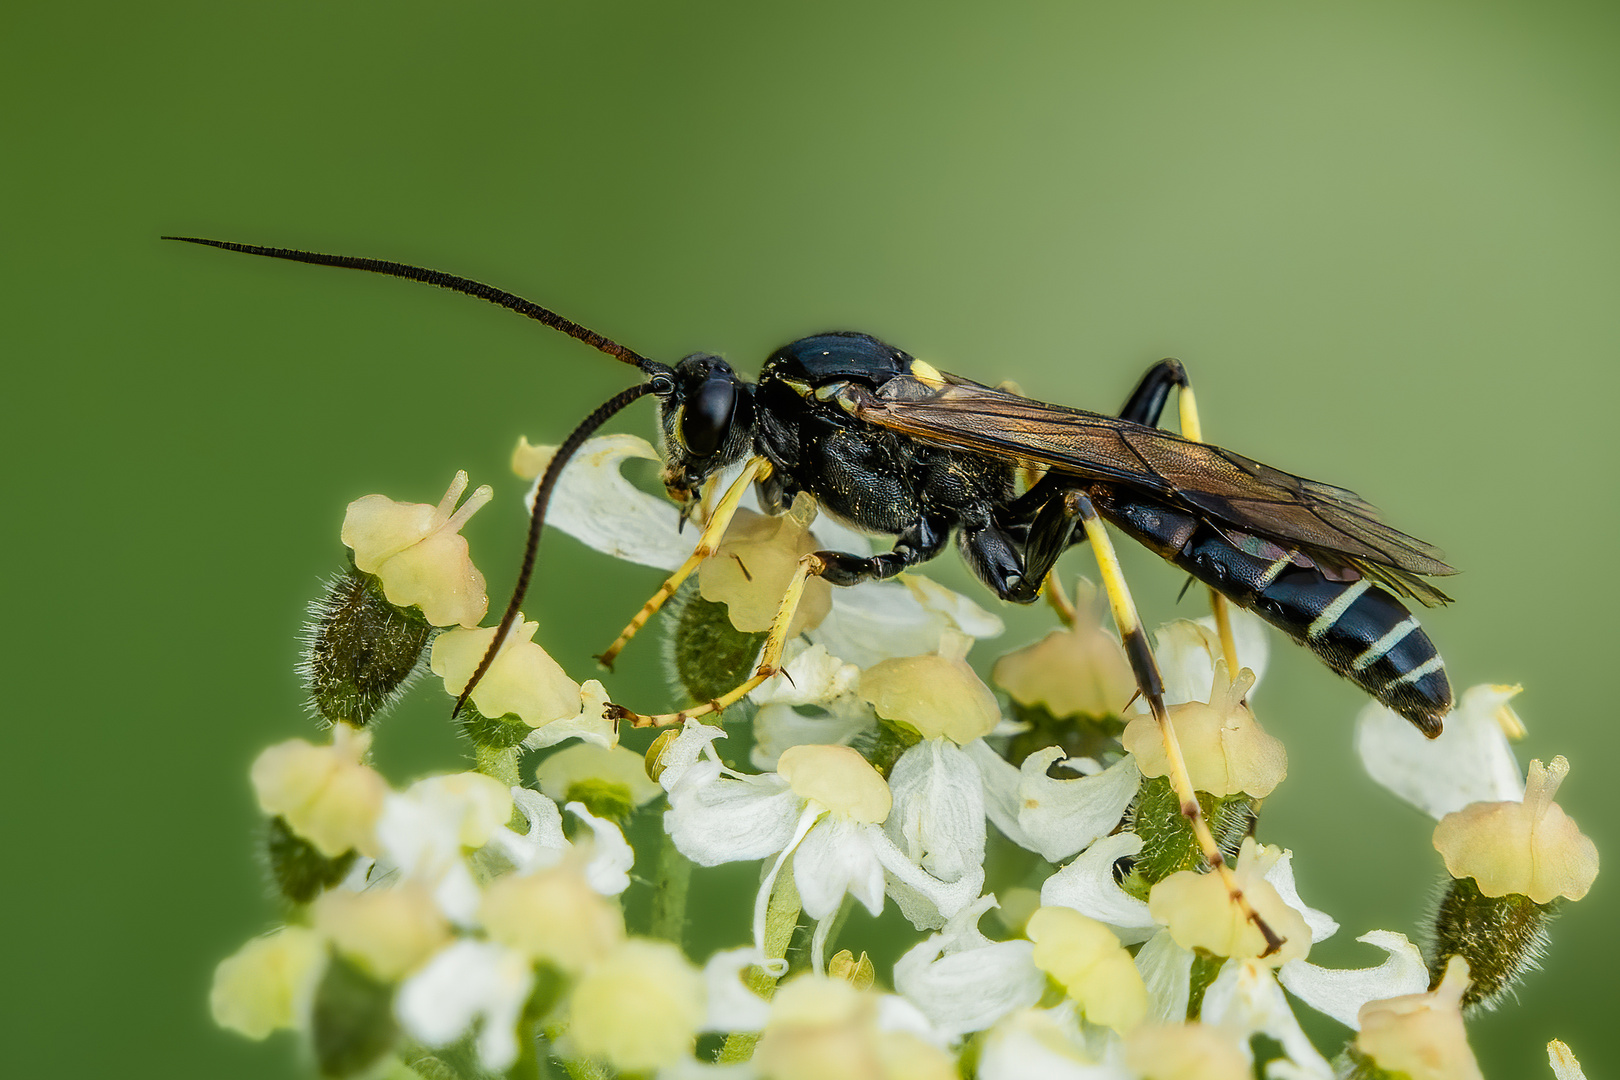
(927,374)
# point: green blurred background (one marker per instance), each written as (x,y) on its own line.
(1385,237)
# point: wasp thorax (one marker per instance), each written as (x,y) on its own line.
(708,422)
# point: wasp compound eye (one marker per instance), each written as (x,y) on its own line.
(707,416)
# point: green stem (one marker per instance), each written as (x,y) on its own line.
(781,920)
(670,885)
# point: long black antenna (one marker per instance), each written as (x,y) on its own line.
(537,517)
(505,299)
(660,382)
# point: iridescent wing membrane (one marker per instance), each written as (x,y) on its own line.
(1332,525)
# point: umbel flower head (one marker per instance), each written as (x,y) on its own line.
(497,918)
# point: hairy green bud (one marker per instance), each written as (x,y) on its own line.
(298,868)
(1501,937)
(1168,841)
(352,1020)
(705,654)
(360,652)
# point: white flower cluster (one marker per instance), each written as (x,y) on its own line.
(880,771)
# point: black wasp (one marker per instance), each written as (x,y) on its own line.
(890,445)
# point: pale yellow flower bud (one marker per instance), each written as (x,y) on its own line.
(1086,957)
(553,915)
(267,983)
(639,1009)
(1421,1035)
(530,460)
(825,1029)
(1531,848)
(523,680)
(1226,749)
(477,802)
(585,763)
(387,931)
(1079,671)
(419,554)
(751,571)
(837,778)
(323,792)
(1199,912)
(936,696)
(859,973)
(1189,1051)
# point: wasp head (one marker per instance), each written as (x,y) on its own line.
(707,415)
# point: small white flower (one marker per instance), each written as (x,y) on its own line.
(608,870)
(426,831)
(1045,1044)
(467,982)
(1054,817)
(1245,1000)
(1469,762)
(962,981)
(1342,993)
(825,806)
(1087,884)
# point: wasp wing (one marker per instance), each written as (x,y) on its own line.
(1218,484)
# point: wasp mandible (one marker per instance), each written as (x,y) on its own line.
(892,446)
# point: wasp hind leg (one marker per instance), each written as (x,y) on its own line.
(1151,685)
(1146,406)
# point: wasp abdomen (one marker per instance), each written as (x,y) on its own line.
(1357,628)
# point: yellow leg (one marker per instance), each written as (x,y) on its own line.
(770,660)
(1192,429)
(1152,687)
(708,543)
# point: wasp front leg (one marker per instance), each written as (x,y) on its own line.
(708,543)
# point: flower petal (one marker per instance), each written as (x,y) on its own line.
(1469,762)
(1341,993)
(877,620)
(594,503)
(732,1005)
(609,868)
(1245,1000)
(963,982)
(1281,877)
(1167,973)
(464,982)
(938,814)
(715,818)
(1087,885)
(834,858)
(1061,817)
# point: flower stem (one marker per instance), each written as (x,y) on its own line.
(781,920)
(673,876)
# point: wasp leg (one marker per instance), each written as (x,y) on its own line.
(770,660)
(708,543)
(1151,685)
(1147,401)
(918,544)
(1145,406)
